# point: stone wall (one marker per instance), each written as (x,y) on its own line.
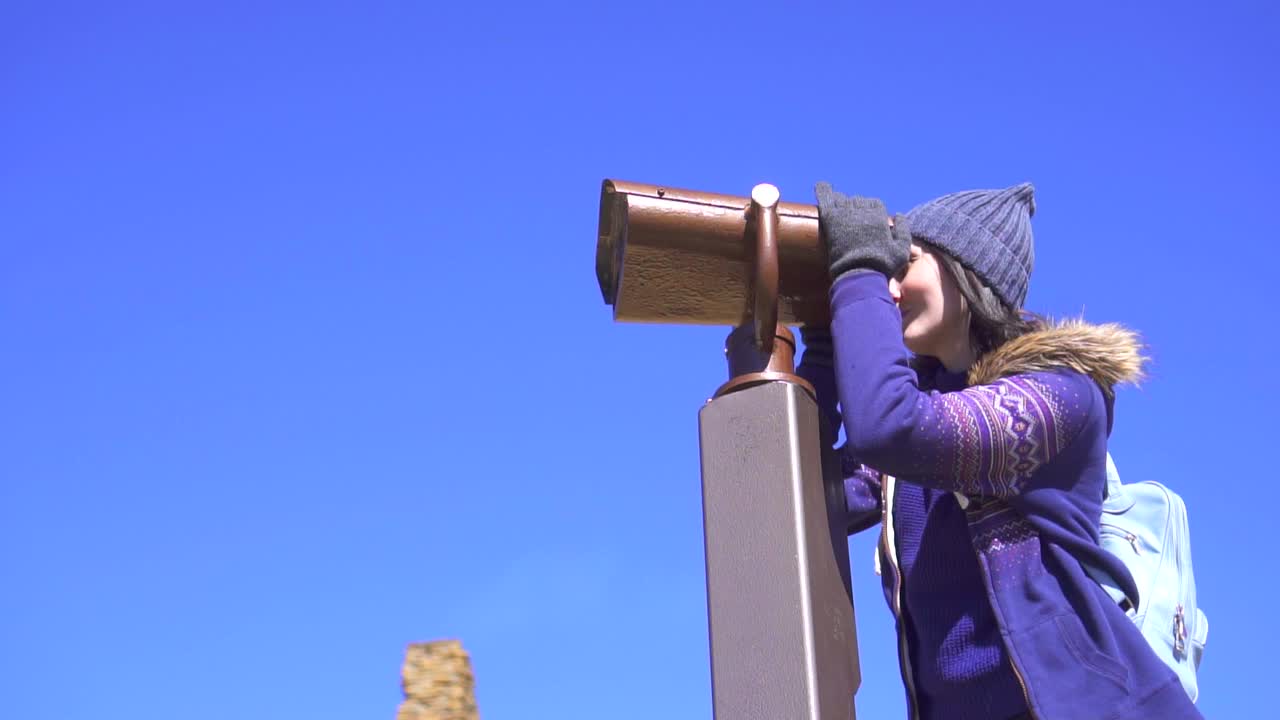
(437,683)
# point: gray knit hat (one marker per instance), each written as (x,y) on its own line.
(988,231)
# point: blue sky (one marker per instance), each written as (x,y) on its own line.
(304,357)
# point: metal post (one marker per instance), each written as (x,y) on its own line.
(779,603)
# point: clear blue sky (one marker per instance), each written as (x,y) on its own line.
(303,356)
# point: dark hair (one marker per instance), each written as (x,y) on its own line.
(992,322)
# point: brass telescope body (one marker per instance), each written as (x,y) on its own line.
(666,255)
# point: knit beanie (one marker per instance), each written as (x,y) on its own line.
(988,231)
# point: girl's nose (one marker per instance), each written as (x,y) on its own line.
(895,290)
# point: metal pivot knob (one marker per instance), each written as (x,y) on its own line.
(761,350)
(763,220)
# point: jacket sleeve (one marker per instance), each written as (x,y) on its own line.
(986,440)
(817,365)
(861,483)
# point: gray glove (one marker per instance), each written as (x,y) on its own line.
(858,236)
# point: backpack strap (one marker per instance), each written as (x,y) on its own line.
(1101,577)
(1114,500)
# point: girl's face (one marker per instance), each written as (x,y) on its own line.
(935,317)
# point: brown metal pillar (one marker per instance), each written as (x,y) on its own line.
(779,602)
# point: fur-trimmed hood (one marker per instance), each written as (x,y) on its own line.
(1110,354)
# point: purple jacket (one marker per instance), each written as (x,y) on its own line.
(1024,449)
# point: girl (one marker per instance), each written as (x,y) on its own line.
(984,456)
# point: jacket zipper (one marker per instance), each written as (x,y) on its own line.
(890,550)
(1026,695)
(1022,684)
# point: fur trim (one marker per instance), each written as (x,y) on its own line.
(1110,354)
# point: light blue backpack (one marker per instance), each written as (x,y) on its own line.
(1145,525)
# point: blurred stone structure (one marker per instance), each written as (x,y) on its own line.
(438,683)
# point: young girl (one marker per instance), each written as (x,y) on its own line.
(984,457)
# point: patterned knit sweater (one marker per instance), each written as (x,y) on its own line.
(960,669)
(1022,449)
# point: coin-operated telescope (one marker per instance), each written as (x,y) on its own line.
(779,600)
(682,256)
